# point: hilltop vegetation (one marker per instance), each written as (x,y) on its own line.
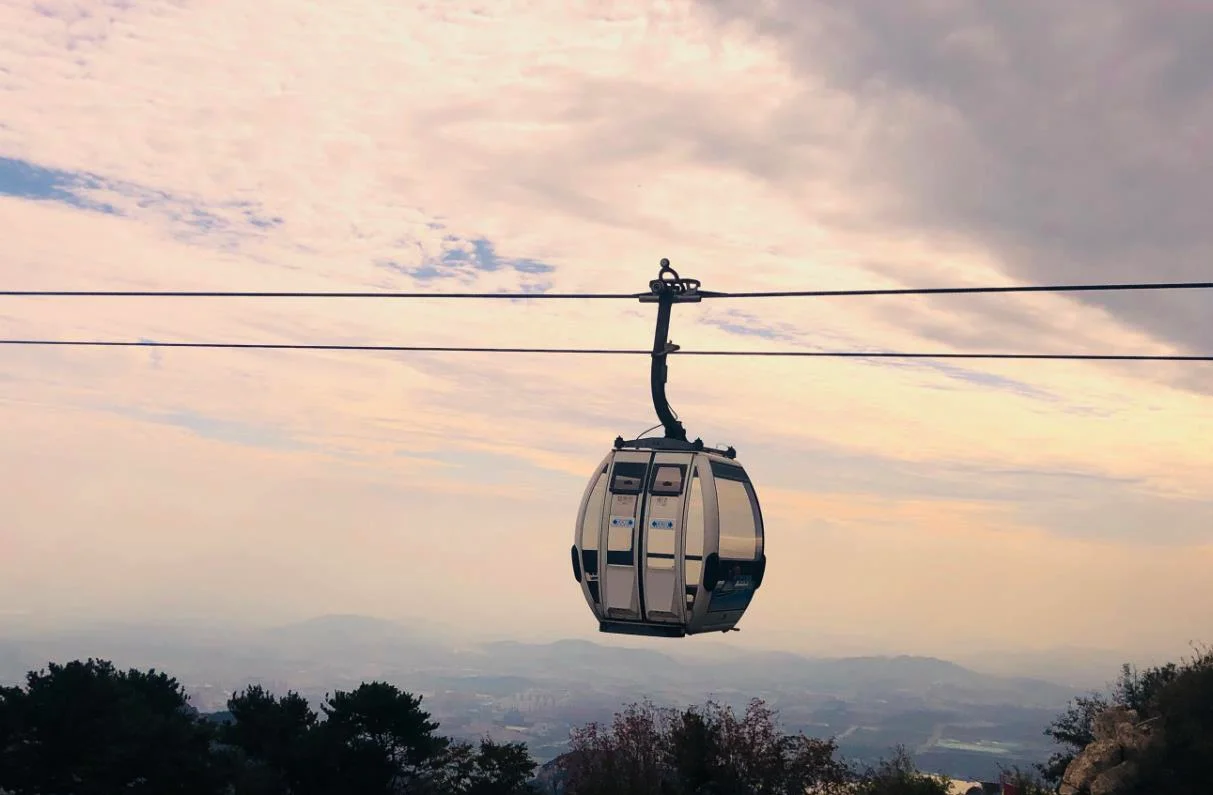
(954,719)
(1170,706)
(87,728)
(710,750)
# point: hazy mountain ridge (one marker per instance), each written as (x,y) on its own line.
(761,670)
(359,641)
(958,720)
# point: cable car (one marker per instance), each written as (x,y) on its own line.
(669,536)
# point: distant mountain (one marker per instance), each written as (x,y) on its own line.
(867,677)
(1075,666)
(894,673)
(362,646)
(575,653)
(957,718)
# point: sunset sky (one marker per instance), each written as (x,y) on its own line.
(547,145)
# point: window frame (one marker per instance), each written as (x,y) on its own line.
(722,470)
(628,467)
(656,491)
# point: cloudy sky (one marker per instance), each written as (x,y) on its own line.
(545,145)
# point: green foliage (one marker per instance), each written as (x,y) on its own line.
(1071,730)
(899,776)
(379,740)
(271,736)
(492,769)
(87,729)
(1137,690)
(1178,699)
(1181,705)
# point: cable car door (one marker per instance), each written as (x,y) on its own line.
(662,541)
(621,593)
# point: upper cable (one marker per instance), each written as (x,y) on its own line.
(304,346)
(1031,288)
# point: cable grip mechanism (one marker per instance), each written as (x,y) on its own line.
(666,290)
(669,282)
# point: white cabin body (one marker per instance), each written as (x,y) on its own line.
(668,542)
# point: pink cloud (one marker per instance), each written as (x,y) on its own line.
(595,143)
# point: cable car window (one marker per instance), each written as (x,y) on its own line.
(667,480)
(593,513)
(693,540)
(738,519)
(628,477)
(722,469)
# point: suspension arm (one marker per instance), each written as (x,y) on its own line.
(666,290)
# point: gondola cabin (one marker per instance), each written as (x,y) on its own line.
(669,540)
